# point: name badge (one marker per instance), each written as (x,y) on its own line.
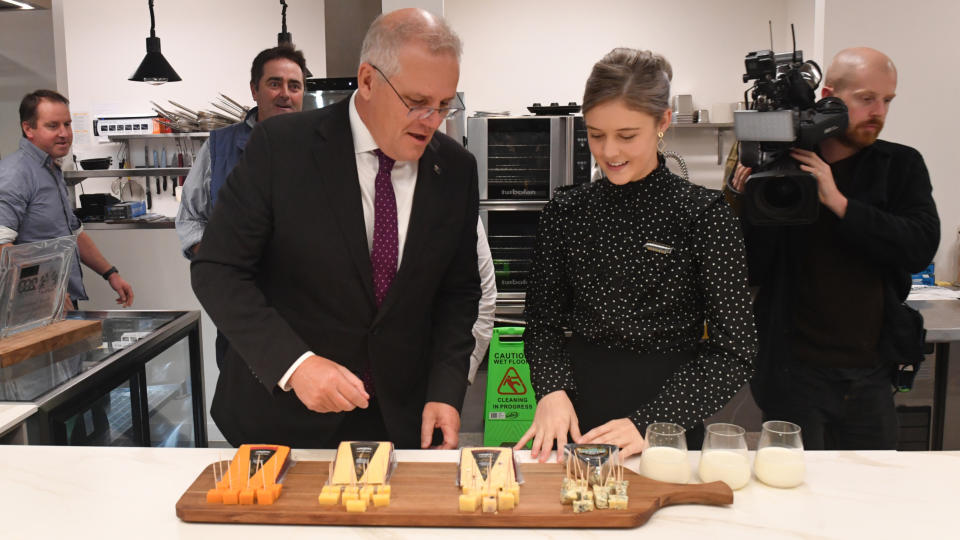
(658,248)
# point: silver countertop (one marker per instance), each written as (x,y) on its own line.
(941,318)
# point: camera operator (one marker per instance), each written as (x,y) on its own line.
(830,314)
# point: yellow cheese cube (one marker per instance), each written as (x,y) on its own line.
(505,501)
(515,491)
(356,505)
(329,499)
(489,503)
(469,503)
(381,499)
(366,492)
(383,489)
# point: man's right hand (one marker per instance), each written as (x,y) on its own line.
(740,176)
(325,386)
(554,419)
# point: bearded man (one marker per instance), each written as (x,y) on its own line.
(831,321)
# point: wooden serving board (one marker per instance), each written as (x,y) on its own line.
(425,495)
(30,343)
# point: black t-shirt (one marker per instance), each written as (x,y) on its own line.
(839,300)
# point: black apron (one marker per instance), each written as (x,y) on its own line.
(614,383)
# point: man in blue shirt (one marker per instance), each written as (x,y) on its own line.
(34,204)
(276,82)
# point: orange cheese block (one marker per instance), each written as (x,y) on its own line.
(265,496)
(254,468)
(247,496)
(214,496)
(231,496)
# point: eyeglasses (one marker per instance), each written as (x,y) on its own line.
(422,113)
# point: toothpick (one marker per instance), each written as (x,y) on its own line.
(263,475)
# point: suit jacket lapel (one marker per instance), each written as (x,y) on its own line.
(337,172)
(427,195)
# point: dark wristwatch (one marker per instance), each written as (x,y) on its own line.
(112,270)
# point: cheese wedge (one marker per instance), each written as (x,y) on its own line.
(493,466)
(362,462)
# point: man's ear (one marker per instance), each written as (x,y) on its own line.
(826,91)
(365,75)
(27,130)
(253,91)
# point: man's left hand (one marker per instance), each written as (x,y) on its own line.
(123,289)
(621,432)
(830,196)
(443,416)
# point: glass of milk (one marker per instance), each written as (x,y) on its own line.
(724,456)
(665,458)
(779,462)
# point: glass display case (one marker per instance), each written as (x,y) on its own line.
(140,384)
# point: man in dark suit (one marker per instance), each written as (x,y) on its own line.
(340,260)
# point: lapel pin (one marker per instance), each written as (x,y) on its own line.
(436,168)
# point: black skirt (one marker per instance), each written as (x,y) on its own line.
(614,383)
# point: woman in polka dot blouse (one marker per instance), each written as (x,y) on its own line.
(634,265)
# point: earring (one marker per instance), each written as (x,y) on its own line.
(661,146)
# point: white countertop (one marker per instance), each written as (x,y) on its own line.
(12,414)
(51,492)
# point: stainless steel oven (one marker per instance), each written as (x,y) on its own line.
(521,161)
(525,158)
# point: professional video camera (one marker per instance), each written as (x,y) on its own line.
(782,113)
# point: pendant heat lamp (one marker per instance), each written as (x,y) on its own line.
(154,69)
(285,38)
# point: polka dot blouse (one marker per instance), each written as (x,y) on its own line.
(594,273)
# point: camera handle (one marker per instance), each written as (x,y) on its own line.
(679,159)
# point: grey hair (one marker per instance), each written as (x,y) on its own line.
(381,45)
(640,78)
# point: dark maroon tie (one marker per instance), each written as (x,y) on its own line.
(383,256)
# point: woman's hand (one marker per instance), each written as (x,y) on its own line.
(555,417)
(621,432)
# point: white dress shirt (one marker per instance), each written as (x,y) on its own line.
(404,179)
(483,328)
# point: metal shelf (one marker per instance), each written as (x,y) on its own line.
(136,136)
(714,125)
(115,173)
(719,126)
